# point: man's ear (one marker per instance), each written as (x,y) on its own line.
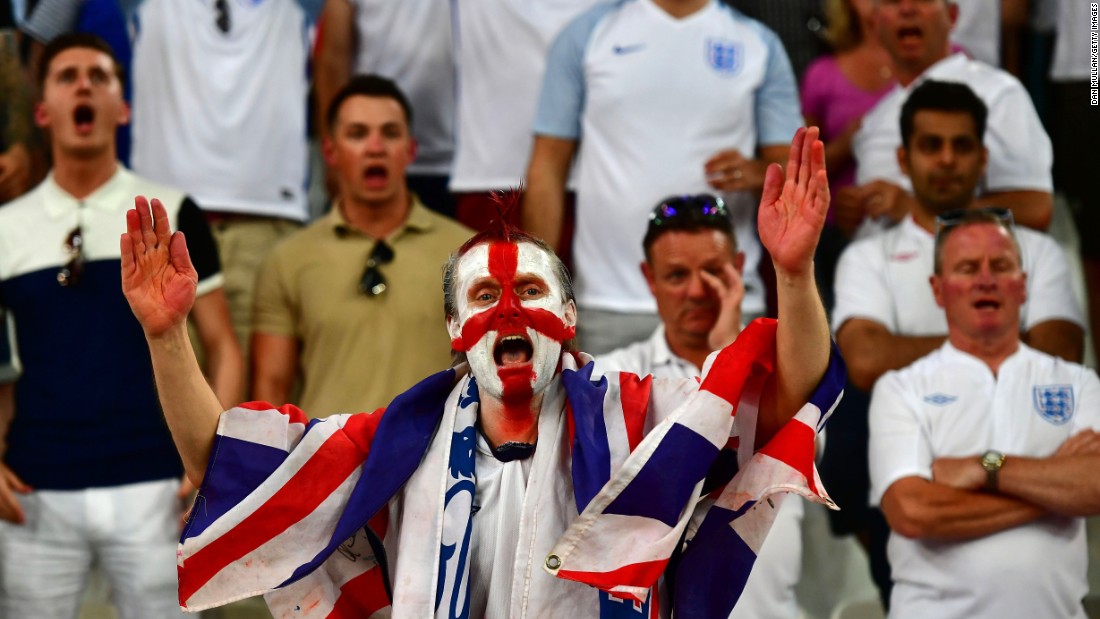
(124,114)
(739,262)
(570,317)
(937,288)
(328,150)
(650,280)
(454,329)
(903,160)
(41,116)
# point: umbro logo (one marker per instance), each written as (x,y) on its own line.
(904,256)
(940,399)
(622,50)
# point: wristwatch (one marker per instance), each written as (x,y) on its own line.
(992,461)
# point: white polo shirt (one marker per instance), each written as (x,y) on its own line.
(1020,153)
(949,404)
(884,278)
(769,592)
(651,98)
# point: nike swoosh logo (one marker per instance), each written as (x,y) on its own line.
(628,49)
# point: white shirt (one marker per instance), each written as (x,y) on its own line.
(223,115)
(500,46)
(949,404)
(769,592)
(1020,153)
(978,29)
(884,278)
(1071,43)
(651,98)
(410,43)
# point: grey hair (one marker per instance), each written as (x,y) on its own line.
(966,219)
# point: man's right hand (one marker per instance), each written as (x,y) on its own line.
(729,289)
(158,278)
(10,484)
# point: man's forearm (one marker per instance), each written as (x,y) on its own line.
(190,405)
(922,509)
(1066,485)
(1034,209)
(802,349)
(1060,338)
(870,350)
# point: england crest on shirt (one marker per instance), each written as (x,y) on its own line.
(725,56)
(1054,403)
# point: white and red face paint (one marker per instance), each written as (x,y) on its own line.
(511,318)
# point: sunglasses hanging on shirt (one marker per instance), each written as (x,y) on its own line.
(373,283)
(69,275)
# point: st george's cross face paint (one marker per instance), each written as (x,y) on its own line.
(511,319)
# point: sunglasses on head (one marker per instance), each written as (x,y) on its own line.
(70,274)
(957,217)
(372,283)
(701,208)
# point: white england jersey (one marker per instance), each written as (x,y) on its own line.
(651,98)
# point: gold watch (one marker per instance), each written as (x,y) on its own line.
(992,461)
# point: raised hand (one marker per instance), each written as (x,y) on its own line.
(792,211)
(158,278)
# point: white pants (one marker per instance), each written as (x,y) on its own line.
(131,531)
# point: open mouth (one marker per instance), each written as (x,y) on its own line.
(512,350)
(910,34)
(987,304)
(375,174)
(83,117)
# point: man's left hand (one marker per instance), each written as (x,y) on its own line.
(792,211)
(964,473)
(729,289)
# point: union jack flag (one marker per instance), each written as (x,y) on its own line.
(295,509)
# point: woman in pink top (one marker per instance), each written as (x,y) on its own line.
(838,90)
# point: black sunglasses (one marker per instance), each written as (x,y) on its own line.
(700,208)
(373,283)
(221,17)
(70,274)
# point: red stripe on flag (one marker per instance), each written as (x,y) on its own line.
(361,596)
(314,482)
(752,353)
(634,395)
(794,446)
(634,575)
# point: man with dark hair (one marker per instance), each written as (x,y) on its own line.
(350,288)
(88,476)
(984,452)
(916,34)
(885,318)
(503,486)
(693,270)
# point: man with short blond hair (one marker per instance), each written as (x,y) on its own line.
(983,453)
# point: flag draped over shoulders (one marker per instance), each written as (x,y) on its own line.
(296,509)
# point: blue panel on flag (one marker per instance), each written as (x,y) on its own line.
(612,607)
(240,467)
(713,571)
(825,395)
(666,481)
(591,454)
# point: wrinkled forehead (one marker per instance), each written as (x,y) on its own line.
(502,261)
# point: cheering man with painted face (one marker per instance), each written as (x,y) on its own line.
(512,485)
